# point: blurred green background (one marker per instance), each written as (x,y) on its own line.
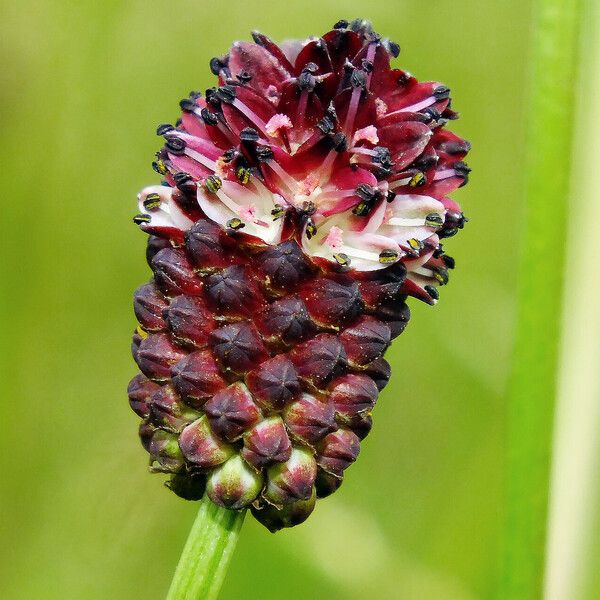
(82,86)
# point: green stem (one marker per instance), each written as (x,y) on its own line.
(535,358)
(207,552)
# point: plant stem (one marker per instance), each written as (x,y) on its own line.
(207,552)
(535,357)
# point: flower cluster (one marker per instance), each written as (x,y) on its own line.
(303,199)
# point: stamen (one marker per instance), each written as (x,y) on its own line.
(209,118)
(342,259)
(142,218)
(415,244)
(175,145)
(243,174)
(434,220)
(311,229)
(249,135)
(164,128)
(277,212)
(401,222)
(353,107)
(415,107)
(417,180)
(358,253)
(369,60)
(235,224)
(285,177)
(159,167)
(213,183)
(152,201)
(207,162)
(340,142)
(387,257)
(432,292)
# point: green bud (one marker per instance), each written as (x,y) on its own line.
(234,484)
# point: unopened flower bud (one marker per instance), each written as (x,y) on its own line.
(266,443)
(231,412)
(310,419)
(292,480)
(202,447)
(165,453)
(338,451)
(234,484)
(140,390)
(188,486)
(276,518)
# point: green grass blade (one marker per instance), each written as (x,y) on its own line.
(535,359)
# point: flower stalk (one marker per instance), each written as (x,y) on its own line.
(207,552)
(535,356)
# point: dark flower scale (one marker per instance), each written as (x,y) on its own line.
(303,200)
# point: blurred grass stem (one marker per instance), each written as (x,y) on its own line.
(207,553)
(535,358)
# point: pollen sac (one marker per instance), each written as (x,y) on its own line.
(286,321)
(168,411)
(292,480)
(301,202)
(156,355)
(274,383)
(197,377)
(231,412)
(190,321)
(332,303)
(318,360)
(233,292)
(338,451)
(148,305)
(267,443)
(174,274)
(234,485)
(309,419)
(238,347)
(202,447)
(139,391)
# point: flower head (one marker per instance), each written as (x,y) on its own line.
(303,199)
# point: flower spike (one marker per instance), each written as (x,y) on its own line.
(303,199)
